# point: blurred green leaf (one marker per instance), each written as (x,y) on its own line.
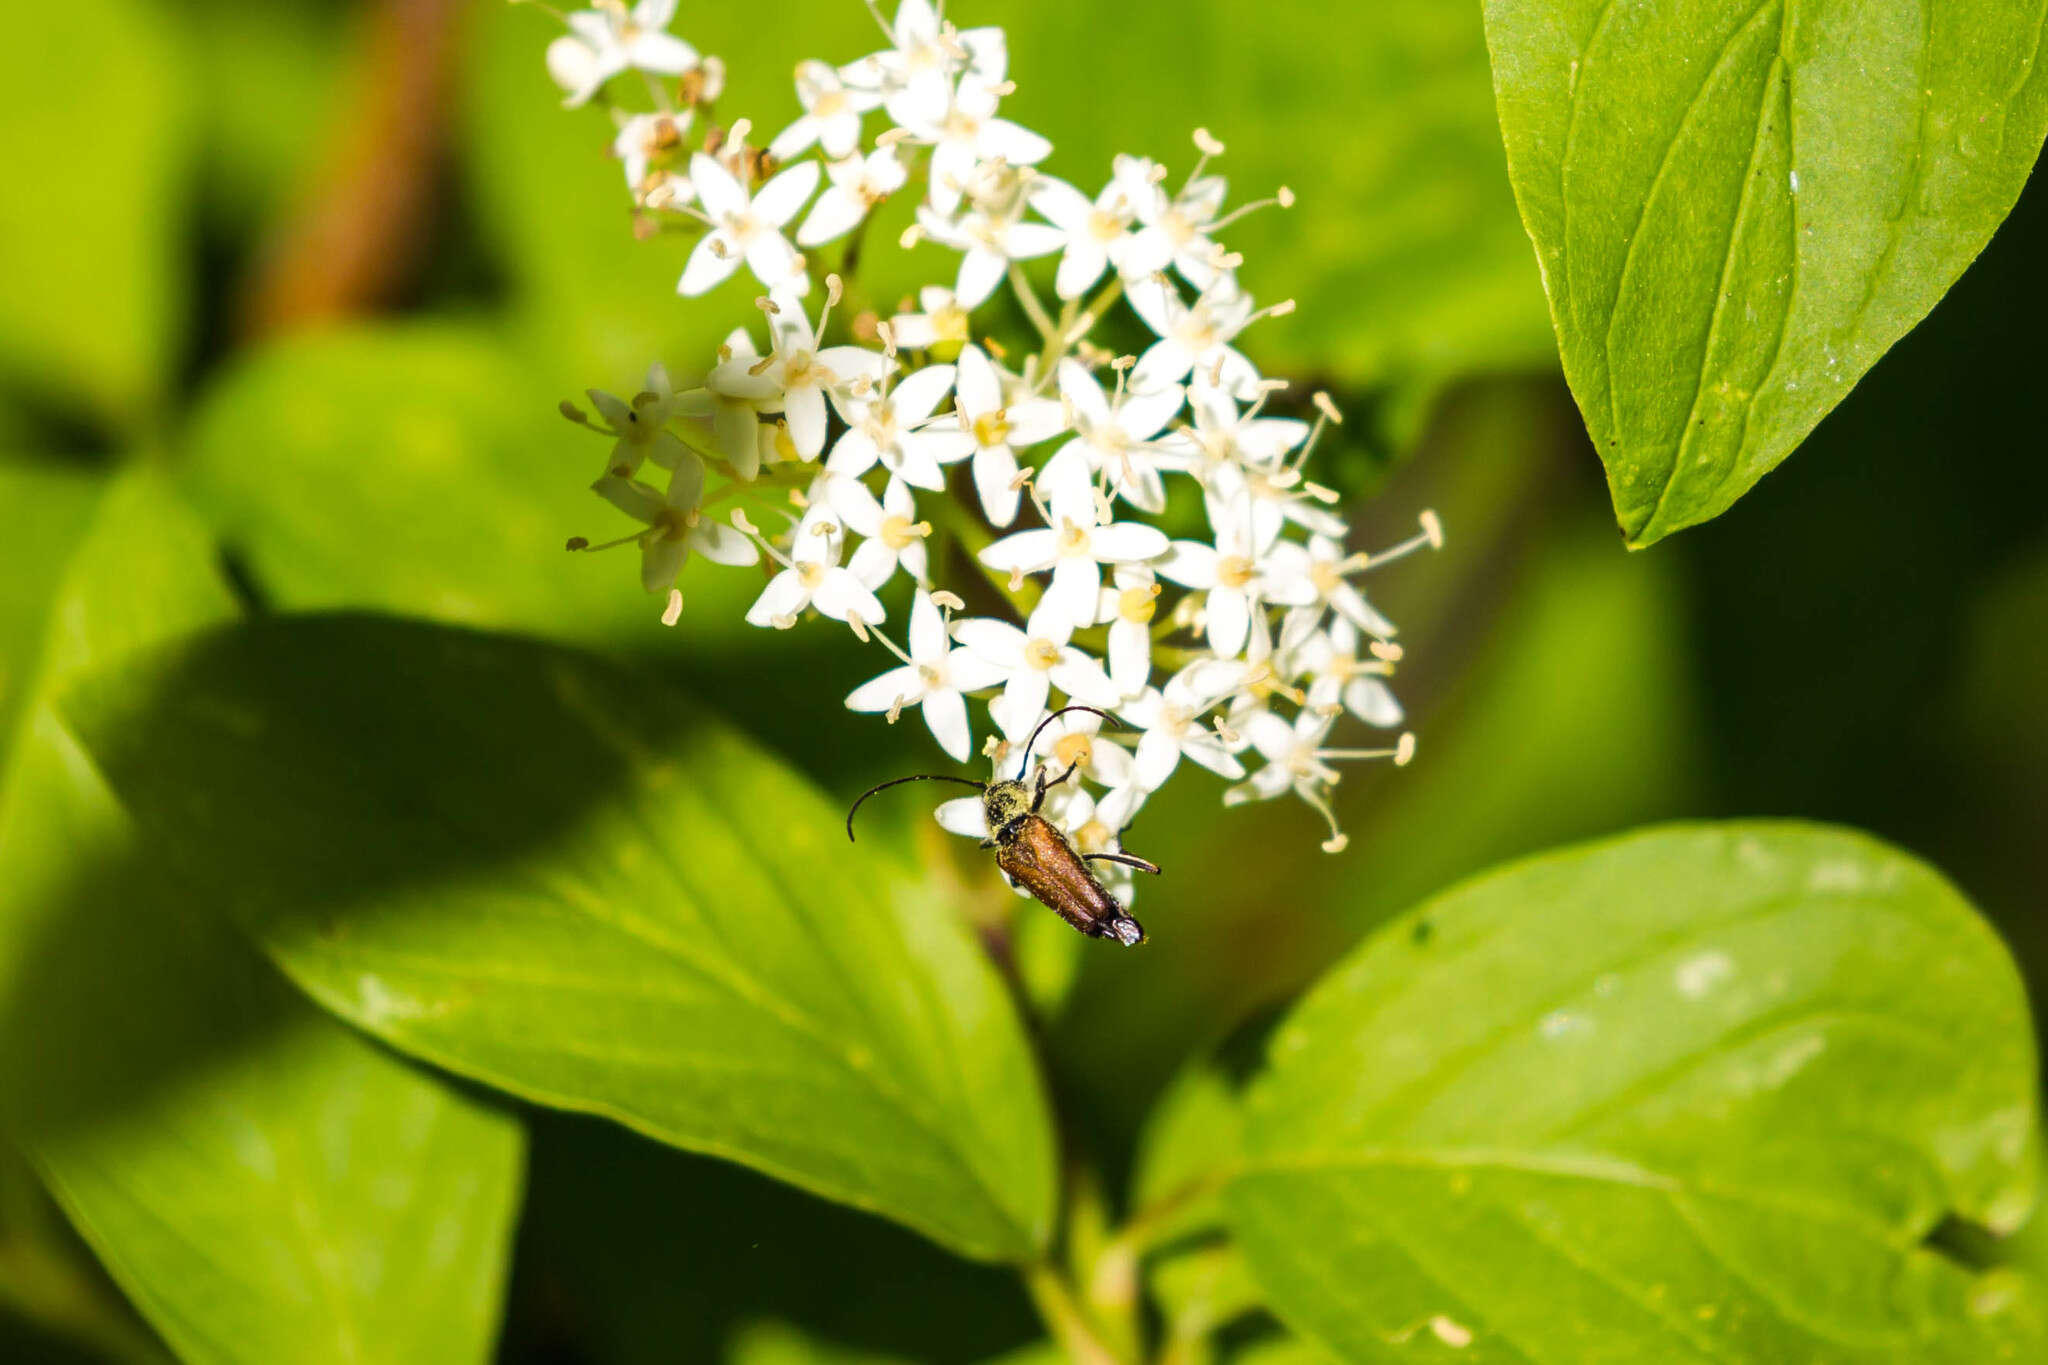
(262,1183)
(1191,1139)
(48,509)
(1406,252)
(1693,1094)
(423,470)
(777,1343)
(97,125)
(573,884)
(1738,211)
(269,88)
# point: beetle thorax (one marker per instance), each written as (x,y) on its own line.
(1003,803)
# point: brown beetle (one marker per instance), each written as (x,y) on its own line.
(1034,853)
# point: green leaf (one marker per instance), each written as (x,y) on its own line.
(97,125)
(573,884)
(423,470)
(264,1184)
(1739,206)
(1190,1142)
(48,506)
(1697,1094)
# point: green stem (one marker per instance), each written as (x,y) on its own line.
(1063,1317)
(1033,309)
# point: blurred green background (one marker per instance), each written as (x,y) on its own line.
(332,264)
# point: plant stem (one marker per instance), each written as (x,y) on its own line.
(1064,1319)
(1033,309)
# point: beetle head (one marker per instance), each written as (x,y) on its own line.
(1004,802)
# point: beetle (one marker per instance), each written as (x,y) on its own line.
(1034,853)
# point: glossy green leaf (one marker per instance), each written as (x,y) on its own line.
(564,880)
(1697,1094)
(264,1184)
(1739,206)
(1191,1141)
(97,127)
(424,470)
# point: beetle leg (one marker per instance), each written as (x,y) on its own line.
(1038,797)
(1127,859)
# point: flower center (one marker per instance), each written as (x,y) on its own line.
(1073,539)
(1105,226)
(950,323)
(1041,653)
(992,428)
(1178,229)
(898,532)
(1174,718)
(1137,605)
(1094,837)
(1234,571)
(1078,747)
(1326,575)
(800,370)
(810,573)
(830,103)
(744,227)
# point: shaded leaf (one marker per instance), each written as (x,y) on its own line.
(573,884)
(97,126)
(1693,1094)
(262,1183)
(1738,207)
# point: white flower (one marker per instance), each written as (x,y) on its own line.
(1342,677)
(1075,552)
(924,53)
(989,236)
(1096,233)
(1033,661)
(747,227)
(1328,570)
(1076,741)
(1222,435)
(959,122)
(1196,337)
(1112,438)
(641,425)
(651,142)
(997,427)
(893,428)
(1239,573)
(1171,718)
(933,676)
(608,39)
(798,375)
(813,578)
(894,535)
(1129,605)
(1175,228)
(675,526)
(831,116)
(940,327)
(858,184)
(1296,760)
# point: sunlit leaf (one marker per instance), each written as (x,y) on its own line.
(1738,207)
(263,1184)
(571,883)
(423,470)
(97,126)
(48,508)
(1698,1094)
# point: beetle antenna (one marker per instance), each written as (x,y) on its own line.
(1092,710)
(899,781)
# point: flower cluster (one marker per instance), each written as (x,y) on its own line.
(1237,645)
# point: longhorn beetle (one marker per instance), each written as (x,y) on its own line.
(1033,852)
